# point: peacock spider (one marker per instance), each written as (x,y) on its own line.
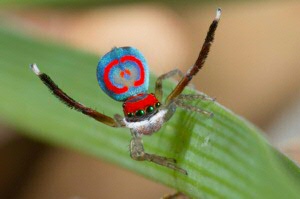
(123,74)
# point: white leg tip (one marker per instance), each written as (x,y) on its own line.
(218,14)
(35,69)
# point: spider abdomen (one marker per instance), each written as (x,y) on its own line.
(122,73)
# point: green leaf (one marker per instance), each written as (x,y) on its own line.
(225,156)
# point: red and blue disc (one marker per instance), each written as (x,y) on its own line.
(123,72)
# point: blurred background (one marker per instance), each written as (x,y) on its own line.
(253,69)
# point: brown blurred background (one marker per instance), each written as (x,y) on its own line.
(253,69)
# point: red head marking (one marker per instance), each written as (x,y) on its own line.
(139,102)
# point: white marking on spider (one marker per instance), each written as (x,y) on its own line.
(35,69)
(150,126)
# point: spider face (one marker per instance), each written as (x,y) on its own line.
(143,114)
(140,107)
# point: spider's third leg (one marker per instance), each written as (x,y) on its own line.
(158,83)
(180,104)
(200,60)
(137,153)
(70,102)
(191,97)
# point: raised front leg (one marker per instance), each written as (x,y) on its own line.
(137,153)
(158,83)
(73,104)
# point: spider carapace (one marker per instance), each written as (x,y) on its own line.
(123,75)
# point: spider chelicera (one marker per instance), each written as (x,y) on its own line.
(123,74)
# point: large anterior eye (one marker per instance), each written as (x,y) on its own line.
(140,113)
(150,109)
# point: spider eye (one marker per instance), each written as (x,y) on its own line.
(157,104)
(130,114)
(140,113)
(150,109)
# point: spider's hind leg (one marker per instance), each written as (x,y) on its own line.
(137,152)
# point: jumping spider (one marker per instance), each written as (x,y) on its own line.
(123,74)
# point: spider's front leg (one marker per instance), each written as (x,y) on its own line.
(137,152)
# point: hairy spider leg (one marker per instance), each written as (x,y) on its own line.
(182,98)
(158,83)
(179,100)
(181,104)
(200,60)
(70,102)
(191,97)
(137,152)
